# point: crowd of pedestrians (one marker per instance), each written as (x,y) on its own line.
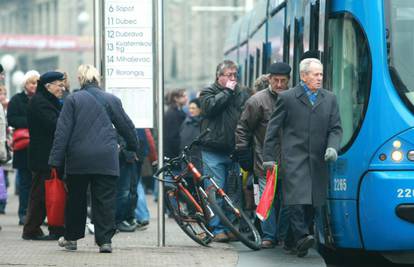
(298,129)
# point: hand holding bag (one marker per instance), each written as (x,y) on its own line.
(55,200)
(268,196)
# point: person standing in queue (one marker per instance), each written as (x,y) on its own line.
(86,143)
(308,118)
(17,118)
(250,135)
(221,106)
(43,113)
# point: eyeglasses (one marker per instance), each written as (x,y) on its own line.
(233,74)
(61,85)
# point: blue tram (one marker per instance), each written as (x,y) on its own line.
(367,47)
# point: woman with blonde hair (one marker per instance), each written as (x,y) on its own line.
(86,143)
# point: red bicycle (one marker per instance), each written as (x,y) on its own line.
(192,207)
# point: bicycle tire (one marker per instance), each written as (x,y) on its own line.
(183,213)
(241,226)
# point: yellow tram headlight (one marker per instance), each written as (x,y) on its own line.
(396,144)
(397,155)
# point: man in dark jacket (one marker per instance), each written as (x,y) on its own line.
(43,113)
(221,106)
(308,118)
(86,142)
(17,118)
(251,131)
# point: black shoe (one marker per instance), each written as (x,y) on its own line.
(304,244)
(124,226)
(143,223)
(133,223)
(34,237)
(105,248)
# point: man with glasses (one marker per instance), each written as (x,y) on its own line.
(221,106)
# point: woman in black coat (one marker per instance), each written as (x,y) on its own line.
(43,113)
(86,142)
(17,118)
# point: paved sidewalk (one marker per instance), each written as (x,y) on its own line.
(130,249)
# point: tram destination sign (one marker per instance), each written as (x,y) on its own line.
(129,57)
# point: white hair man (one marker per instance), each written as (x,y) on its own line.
(308,117)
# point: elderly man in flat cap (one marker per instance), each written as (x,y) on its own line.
(43,112)
(251,130)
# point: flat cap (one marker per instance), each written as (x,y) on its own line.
(51,76)
(279,68)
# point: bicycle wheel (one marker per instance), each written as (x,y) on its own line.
(234,217)
(184,213)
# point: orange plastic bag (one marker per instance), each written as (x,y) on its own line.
(55,200)
(268,196)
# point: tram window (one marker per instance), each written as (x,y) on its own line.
(400,40)
(257,63)
(348,72)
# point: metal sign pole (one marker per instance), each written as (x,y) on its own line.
(159,87)
(98,25)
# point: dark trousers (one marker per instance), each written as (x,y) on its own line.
(103,199)
(24,184)
(36,209)
(299,222)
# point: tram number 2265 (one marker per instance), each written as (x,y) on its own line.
(405,193)
(339,184)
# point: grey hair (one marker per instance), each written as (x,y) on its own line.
(304,66)
(226,64)
(88,74)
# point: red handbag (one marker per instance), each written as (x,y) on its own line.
(55,200)
(21,139)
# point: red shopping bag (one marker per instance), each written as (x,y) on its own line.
(268,196)
(55,200)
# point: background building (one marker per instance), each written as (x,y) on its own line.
(46,35)
(58,34)
(194,39)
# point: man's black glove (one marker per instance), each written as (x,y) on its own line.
(244,157)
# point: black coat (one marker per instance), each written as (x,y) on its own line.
(306,132)
(221,109)
(43,113)
(173,119)
(85,139)
(17,118)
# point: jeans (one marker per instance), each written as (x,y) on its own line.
(123,197)
(141,212)
(25,184)
(219,166)
(133,193)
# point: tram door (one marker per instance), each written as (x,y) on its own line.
(306,20)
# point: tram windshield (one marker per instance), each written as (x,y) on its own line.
(400,45)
